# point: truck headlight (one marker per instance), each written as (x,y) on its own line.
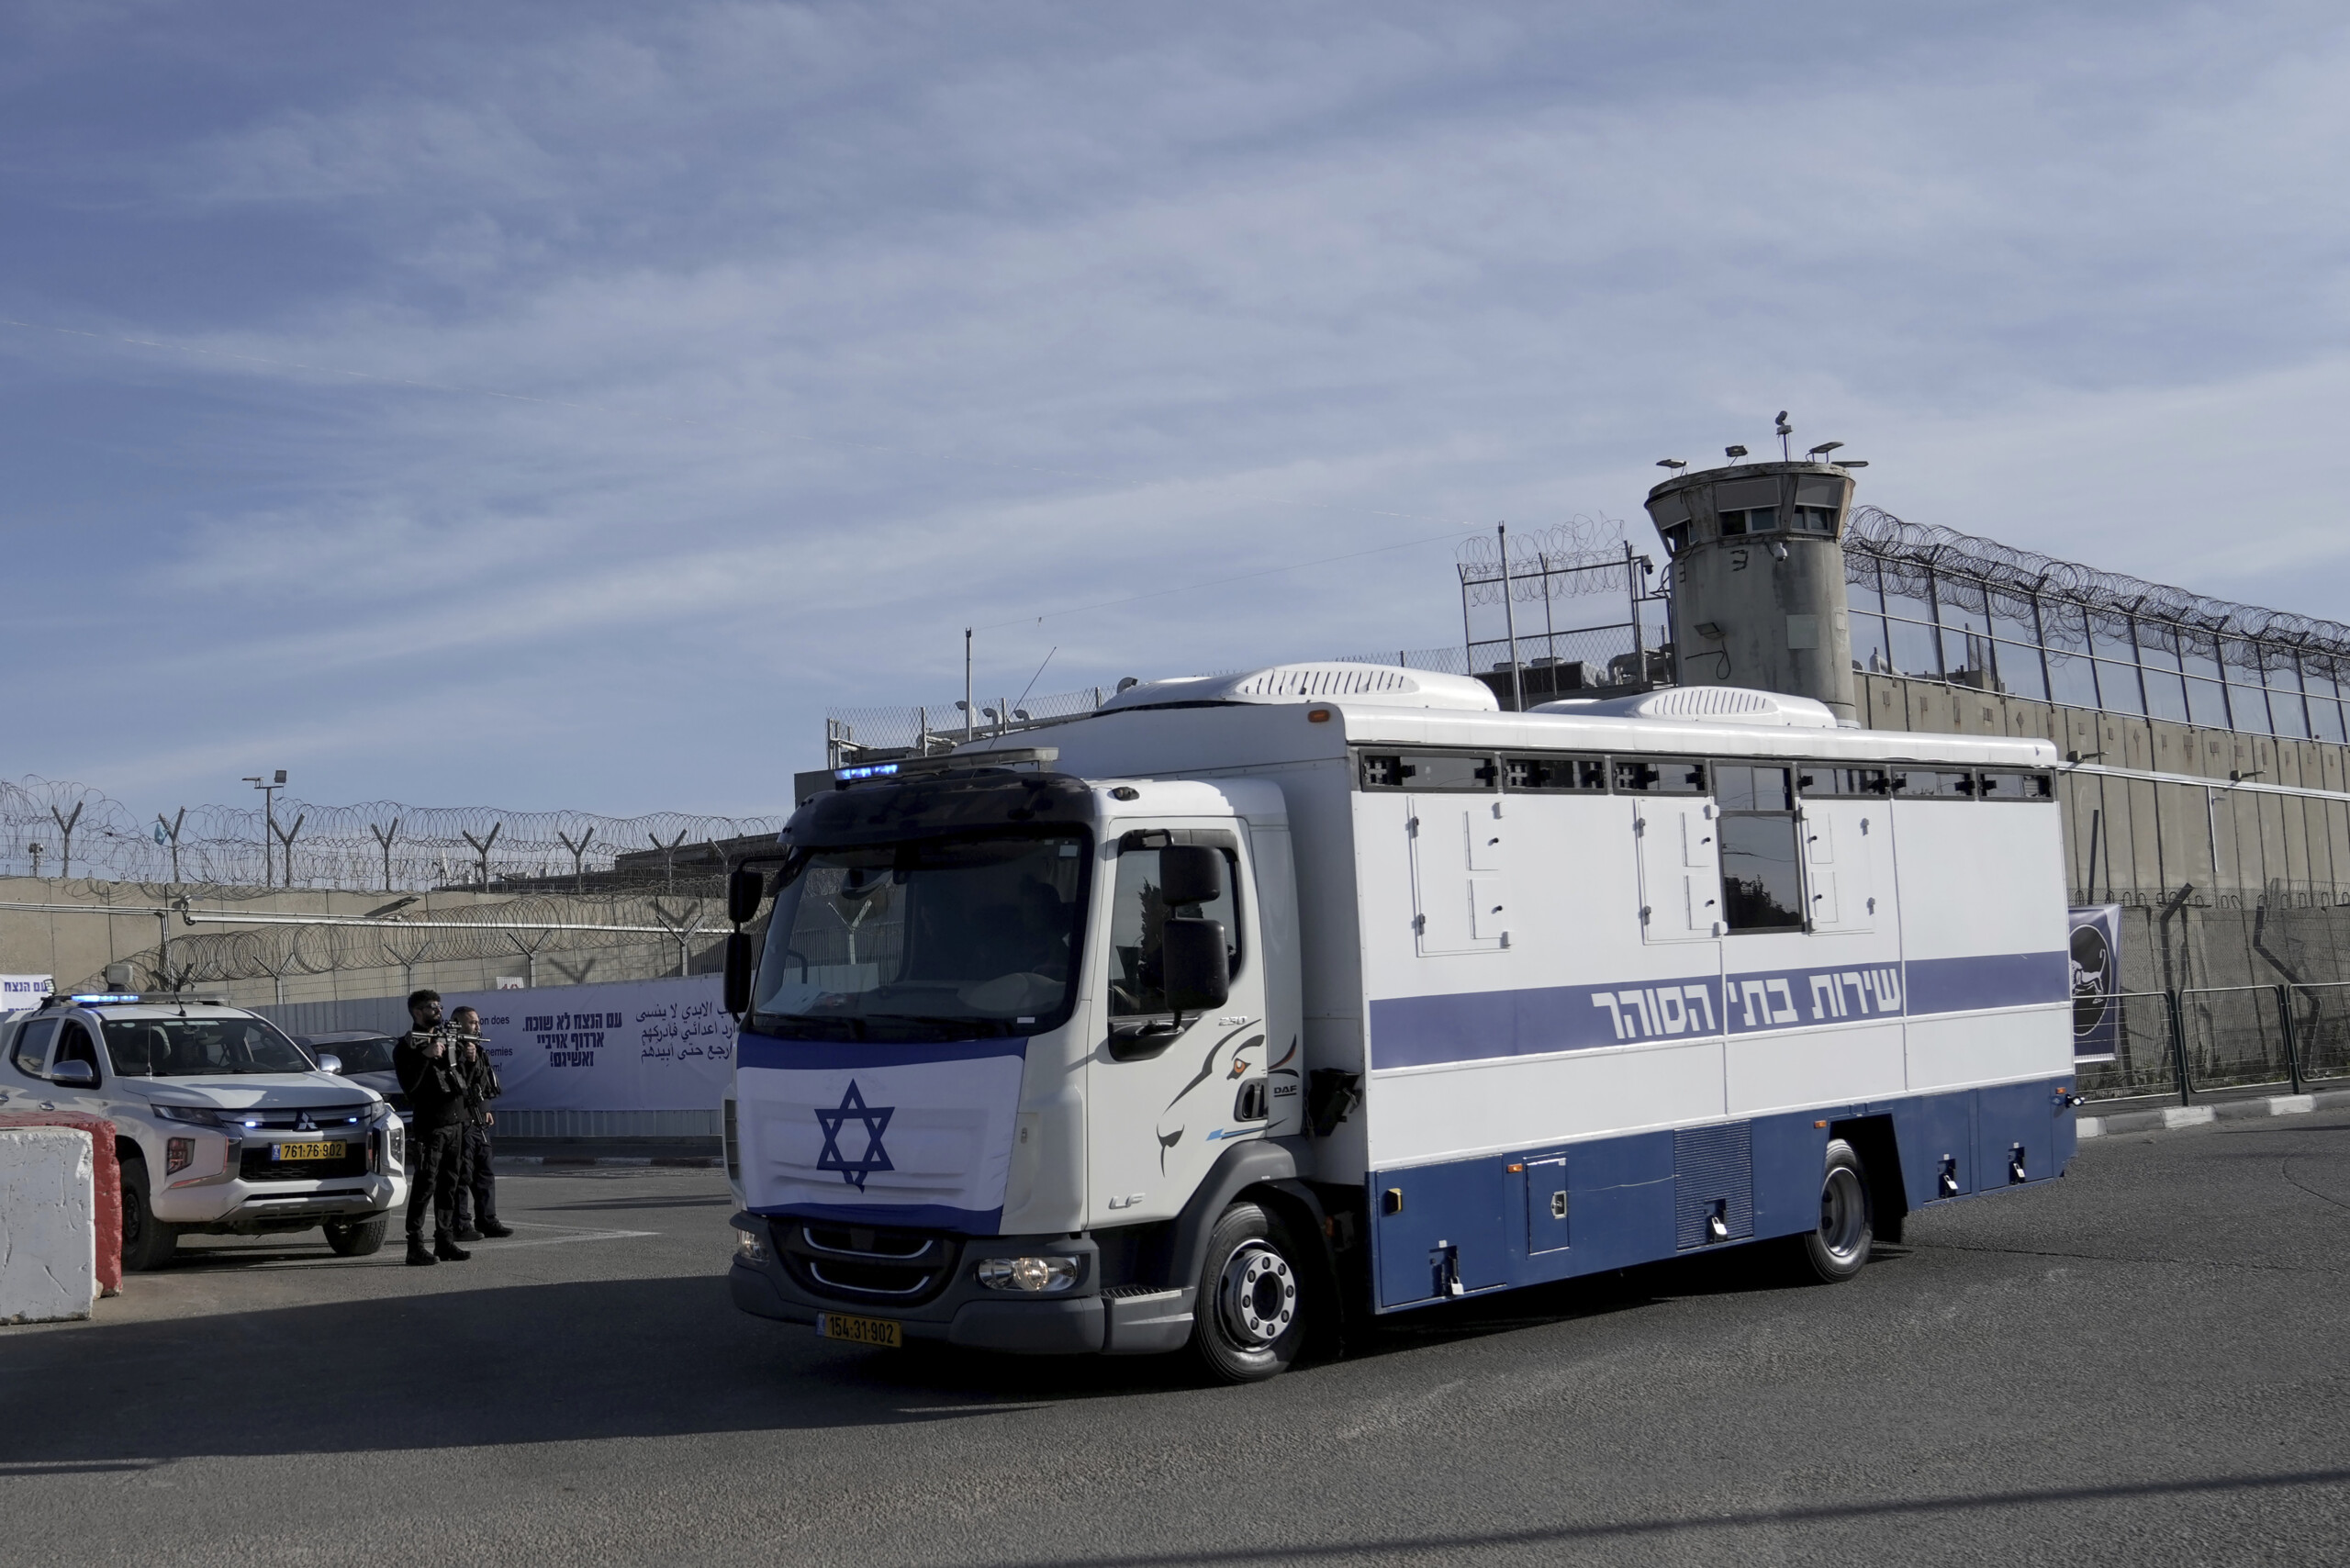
(1035,1274)
(749,1248)
(199,1115)
(179,1153)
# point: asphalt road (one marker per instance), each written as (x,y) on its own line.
(2143,1363)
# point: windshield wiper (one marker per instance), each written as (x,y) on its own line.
(934,1023)
(832,1025)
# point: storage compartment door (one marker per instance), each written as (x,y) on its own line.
(1681,878)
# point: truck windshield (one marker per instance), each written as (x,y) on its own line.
(199,1047)
(938,939)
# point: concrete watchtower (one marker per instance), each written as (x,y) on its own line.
(1757,564)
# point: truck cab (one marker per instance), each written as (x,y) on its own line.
(1015,1043)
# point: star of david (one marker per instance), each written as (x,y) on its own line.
(876,1118)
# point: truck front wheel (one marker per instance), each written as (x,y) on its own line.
(1249,1320)
(356,1237)
(147,1242)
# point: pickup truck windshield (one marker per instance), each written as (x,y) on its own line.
(932,940)
(199,1047)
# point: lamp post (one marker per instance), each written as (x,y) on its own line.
(269,789)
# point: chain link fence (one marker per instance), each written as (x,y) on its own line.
(2196,1040)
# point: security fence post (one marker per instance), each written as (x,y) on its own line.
(2292,1046)
(2178,1045)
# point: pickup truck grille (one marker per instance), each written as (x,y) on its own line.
(328,1120)
(854,1263)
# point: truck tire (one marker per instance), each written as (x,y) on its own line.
(1839,1247)
(147,1242)
(356,1239)
(1250,1319)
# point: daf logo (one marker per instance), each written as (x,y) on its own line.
(302,1123)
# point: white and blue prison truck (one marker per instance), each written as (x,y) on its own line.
(1257,1004)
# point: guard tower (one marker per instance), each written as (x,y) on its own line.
(1757,564)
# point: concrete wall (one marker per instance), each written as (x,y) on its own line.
(2222,883)
(114,922)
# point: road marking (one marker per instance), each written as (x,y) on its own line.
(225,1255)
(578,1233)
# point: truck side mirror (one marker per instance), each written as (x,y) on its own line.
(1190,874)
(330,1062)
(739,963)
(73,1075)
(744,890)
(1198,966)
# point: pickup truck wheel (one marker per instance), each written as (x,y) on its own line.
(1249,1321)
(147,1242)
(356,1239)
(1838,1248)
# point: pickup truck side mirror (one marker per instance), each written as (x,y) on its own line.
(330,1062)
(1190,874)
(740,961)
(73,1075)
(1198,964)
(745,890)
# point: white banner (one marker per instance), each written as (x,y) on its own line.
(643,1046)
(24,990)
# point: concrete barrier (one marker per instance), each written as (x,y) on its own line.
(105,1172)
(49,1233)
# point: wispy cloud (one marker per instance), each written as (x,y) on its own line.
(671,377)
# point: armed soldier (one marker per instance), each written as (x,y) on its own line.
(431,1078)
(479,1185)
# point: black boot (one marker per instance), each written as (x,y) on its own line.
(491,1227)
(467,1233)
(447,1248)
(417,1252)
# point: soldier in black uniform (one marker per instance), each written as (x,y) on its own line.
(432,1078)
(477,1188)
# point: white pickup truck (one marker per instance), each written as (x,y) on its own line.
(222,1124)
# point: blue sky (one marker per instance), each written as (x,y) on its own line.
(562,406)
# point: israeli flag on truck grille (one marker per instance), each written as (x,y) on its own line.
(913,1134)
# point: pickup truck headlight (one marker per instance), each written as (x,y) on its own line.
(1033,1274)
(199,1115)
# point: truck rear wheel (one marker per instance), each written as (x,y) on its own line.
(1839,1247)
(1249,1319)
(356,1237)
(147,1242)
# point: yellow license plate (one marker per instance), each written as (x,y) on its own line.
(309,1151)
(861,1331)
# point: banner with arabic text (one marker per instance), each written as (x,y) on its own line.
(641,1045)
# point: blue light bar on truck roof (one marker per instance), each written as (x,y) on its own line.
(915,766)
(109,996)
